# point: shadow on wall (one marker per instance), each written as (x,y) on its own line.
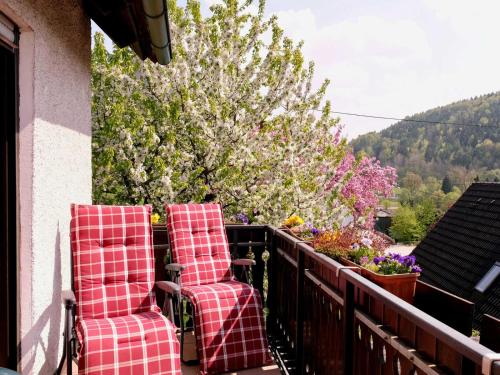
(51,316)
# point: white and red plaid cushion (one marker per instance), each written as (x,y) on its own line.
(119,325)
(143,343)
(113,264)
(198,241)
(229,325)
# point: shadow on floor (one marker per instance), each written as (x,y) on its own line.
(190,353)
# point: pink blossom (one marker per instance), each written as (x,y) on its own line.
(369,182)
(338,135)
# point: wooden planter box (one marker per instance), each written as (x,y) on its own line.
(292,233)
(402,285)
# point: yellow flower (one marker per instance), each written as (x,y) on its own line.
(155,218)
(293,221)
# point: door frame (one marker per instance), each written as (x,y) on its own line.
(11,213)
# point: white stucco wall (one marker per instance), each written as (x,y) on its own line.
(54,165)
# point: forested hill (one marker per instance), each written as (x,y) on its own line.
(434,149)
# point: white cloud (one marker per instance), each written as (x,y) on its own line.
(395,66)
(366,58)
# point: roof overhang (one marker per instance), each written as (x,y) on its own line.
(141,24)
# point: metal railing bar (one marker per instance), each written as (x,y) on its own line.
(162,247)
(246,226)
(248,244)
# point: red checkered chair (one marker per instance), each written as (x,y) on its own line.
(228,315)
(118,328)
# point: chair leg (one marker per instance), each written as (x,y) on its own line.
(61,362)
(168,306)
(67,351)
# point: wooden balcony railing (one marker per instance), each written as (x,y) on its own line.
(324,318)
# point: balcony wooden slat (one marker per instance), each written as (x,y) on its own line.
(325,319)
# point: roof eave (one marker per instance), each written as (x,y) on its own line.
(127,24)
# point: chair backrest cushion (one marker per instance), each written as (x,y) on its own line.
(113,263)
(198,241)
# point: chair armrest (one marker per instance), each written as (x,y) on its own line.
(68,298)
(243,262)
(174,267)
(169,287)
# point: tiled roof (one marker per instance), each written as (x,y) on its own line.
(463,246)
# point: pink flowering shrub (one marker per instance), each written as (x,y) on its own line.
(367,182)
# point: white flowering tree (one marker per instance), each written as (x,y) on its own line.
(233,118)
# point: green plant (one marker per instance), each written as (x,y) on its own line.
(405,226)
(427,214)
(356,255)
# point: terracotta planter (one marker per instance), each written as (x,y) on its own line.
(402,285)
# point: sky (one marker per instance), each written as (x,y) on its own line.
(394,58)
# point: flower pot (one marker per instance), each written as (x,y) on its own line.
(402,285)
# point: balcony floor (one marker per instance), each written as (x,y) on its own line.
(190,352)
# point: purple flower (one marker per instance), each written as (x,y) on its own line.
(377,260)
(241,217)
(416,269)
(314,231)
(395,256)
(409,261)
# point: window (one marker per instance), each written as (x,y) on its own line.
(7,30)
(489,278)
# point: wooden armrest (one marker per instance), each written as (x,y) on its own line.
(68,298)
(169,287)
(243,262)
(175,267)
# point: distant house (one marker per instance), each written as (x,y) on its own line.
(462,253)
(383,219)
